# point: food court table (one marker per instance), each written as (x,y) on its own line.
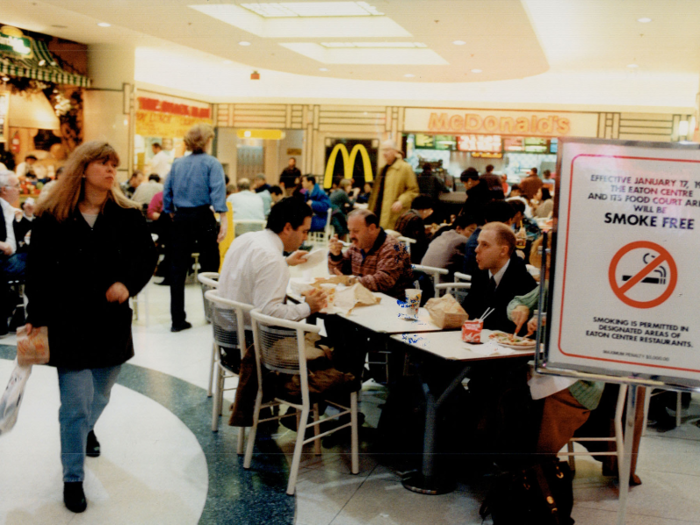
(450,347)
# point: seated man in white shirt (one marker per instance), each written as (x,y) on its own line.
(255,270)
(247,206)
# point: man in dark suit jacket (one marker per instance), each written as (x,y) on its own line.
(502,276)
(13,254)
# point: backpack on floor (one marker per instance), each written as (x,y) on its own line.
(539,495)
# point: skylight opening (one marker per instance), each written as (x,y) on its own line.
(311,9)
(381,45)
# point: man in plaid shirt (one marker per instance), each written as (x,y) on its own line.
(377,260)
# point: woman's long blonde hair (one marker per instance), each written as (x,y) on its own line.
(68,191)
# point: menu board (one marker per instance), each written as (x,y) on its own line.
(536,145)
(623,288)
(425,141)
(445,142)
(480,143)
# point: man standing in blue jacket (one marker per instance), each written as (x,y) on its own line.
(318,200)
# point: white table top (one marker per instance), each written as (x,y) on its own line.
(385,318)
(449,345)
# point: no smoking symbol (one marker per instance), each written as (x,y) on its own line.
(643,274)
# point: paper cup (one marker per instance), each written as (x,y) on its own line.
(413,296)
(471,331)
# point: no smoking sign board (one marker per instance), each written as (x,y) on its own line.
(624,289)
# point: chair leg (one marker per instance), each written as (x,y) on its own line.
(216,400)
(354,440)
(317,431)
(572,461)
(679,408)
(253,430)
(211,368)
(301,432)
(241,441)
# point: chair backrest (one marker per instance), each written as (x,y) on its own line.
(462,277)
(279,346)
(242,227)
(406,241)
(458,290)
(432,271)
(209,281)
(227,320)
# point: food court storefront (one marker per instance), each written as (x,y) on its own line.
(473,137)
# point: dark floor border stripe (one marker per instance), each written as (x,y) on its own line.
(235,495)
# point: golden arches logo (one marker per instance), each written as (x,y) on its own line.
(348,163)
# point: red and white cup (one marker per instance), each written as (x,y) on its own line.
(471,330)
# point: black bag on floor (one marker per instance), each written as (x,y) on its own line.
(539,495)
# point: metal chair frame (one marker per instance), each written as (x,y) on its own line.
(279,346)
(209,281)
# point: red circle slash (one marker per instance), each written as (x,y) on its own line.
(664,256)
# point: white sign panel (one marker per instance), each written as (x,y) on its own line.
(626,286)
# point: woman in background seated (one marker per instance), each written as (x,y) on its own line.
(542,203)
(90,251)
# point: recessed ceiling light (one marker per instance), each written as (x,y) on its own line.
(633,66)
(323,69)
(409,75)
(476,70)
(228,61)
(644,20)
(104,24)
(243,43)
(459,42)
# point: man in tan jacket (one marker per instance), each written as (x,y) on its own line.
(395,188)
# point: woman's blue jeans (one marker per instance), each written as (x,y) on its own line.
(84,395)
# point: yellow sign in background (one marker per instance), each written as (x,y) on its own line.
(156,124)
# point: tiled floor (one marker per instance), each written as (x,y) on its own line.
(162,464)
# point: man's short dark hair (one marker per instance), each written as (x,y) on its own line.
(518,206)
(534,171)
(310,178)
(288,210)
(154,177)
(369,217)
(498,211)
(275,190)
(156,145)
(489,168)
(464,220)
(469,174)
(422,202)
(30,157)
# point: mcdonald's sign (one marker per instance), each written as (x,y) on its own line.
(348,163)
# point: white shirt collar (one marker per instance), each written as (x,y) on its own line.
(499,274)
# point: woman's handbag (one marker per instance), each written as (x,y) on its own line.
(539,495)
(33,349)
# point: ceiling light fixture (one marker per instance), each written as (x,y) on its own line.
(228,61)
(104,24)
(644,20)
(459,42)
(476,70)
(243,43)
(409,75)
(323,69)
(632,66)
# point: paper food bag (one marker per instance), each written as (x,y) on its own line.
(446,312)
(33,349)
(343,298)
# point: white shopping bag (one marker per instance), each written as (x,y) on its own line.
(12,398)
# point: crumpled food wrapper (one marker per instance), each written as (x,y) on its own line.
(343,298)
(446,312)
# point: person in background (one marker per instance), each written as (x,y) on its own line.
(542,203)
(478,193)
(341,197)
(379,261)
(548,181)
(522,221)
(447,250)
(99,241)
(144,192)
(411,224)
(363,197)
(26,169)
(318,200)
(230,189)
(290,176)
(28,209)
(13,254)
(130,186)
(495,211)
(161,224)
(47,187)
(493,181)
(195,185)
(262,189)
(504,184)
(276,194)
(501,276)
(395,189)
(160,162)
(515,191)
(247,206)
(530,184)
(429,184)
